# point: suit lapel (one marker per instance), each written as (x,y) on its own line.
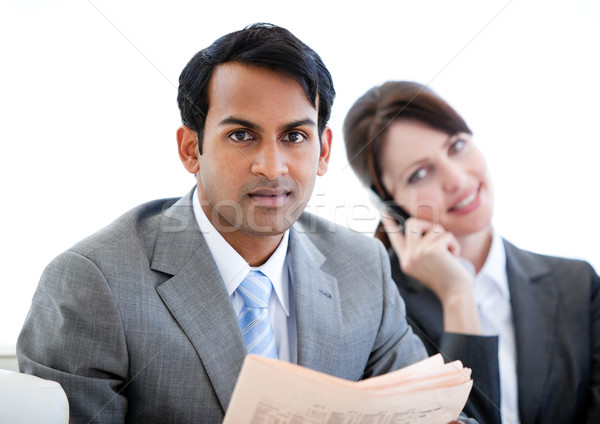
(318,309)
(535,301)
(197,298)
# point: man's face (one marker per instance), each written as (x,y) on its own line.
(260,151)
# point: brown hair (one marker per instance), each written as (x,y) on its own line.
(368,119)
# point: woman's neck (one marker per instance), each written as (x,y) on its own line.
(475,247)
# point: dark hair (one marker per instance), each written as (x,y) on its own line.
(261,45)
(368,119)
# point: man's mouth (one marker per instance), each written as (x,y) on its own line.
(270,197)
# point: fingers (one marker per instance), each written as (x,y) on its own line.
(420,232)
(453,246)
(418,227)
(394,232)
(417,232)
(422,244)
(390,224)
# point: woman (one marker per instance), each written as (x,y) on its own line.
(527,325)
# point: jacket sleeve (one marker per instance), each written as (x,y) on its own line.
(480,354)
(405,344)
(396,345)
(73,335)
(593,407)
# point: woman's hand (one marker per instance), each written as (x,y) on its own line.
(429,253)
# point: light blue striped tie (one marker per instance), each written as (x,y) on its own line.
(254,316)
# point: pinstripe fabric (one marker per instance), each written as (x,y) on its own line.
(254,316)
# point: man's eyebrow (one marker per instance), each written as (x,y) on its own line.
(303,122)
(232,120)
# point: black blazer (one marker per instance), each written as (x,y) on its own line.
(556,311)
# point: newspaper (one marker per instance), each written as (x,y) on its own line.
(269,391)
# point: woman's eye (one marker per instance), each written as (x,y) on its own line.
(240,136)
(457,146)
(418,175)
(294,137)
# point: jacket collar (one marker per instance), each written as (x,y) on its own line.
(197,298)
(535,303)
(318,308)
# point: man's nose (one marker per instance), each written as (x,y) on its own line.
(270,160)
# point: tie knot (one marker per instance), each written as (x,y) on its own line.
(256,290)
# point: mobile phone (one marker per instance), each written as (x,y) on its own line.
(391,208)
(398,214)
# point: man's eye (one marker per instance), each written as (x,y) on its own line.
(240,136)
(294,137)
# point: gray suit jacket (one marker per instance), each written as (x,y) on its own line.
(556,312)
(136,324)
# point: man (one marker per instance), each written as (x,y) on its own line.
(139,322)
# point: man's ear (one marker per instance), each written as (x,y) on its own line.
(326,138)
(187,144)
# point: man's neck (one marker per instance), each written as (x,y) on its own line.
(255,250)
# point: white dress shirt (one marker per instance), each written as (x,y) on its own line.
(233,269)
(493,302)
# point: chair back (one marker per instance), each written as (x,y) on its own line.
(29,399)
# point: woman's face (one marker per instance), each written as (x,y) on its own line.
(440,178)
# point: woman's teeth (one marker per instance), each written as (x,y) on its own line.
(467,200)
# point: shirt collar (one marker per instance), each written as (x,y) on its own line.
(494,267)
(233,268)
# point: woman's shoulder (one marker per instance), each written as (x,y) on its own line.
(537,265)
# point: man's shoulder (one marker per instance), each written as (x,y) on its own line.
(322,231)
(135,223)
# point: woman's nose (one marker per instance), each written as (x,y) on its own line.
(453,176)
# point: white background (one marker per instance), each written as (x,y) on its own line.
(88,110)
